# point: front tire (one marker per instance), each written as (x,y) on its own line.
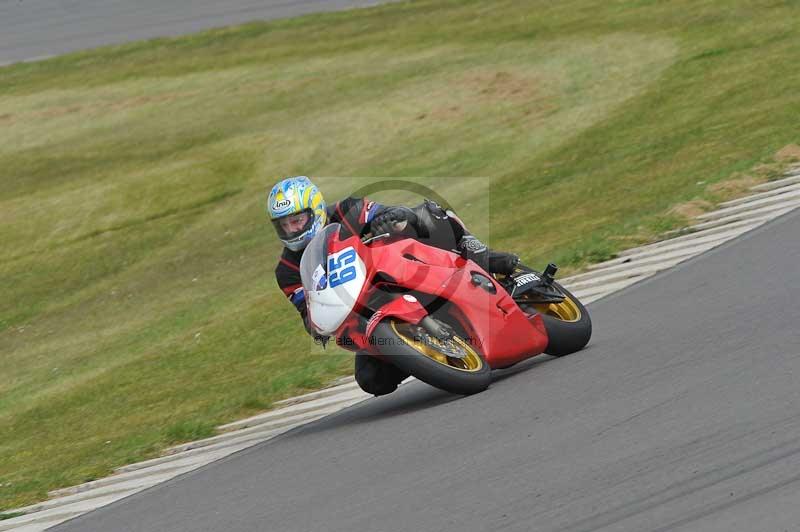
(568,324)
(413,351)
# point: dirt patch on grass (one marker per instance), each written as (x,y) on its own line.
(443,113)
(691,209)
(139,101)
(737,186)
(56,112)
(741,184)
(788,154)
(502,86)
(484,89)
(106,106)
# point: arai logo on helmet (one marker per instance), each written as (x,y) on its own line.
(281,204)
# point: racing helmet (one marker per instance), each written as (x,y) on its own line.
(288,201)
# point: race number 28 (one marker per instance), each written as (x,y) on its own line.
(341,268)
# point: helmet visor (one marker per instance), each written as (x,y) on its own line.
(293,225)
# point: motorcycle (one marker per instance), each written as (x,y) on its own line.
(432,313)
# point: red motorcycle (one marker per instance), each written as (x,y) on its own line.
(432,313)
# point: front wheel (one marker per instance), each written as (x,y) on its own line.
(568,324)
(452,365)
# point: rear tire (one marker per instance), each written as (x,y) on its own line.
(403,351)
(569,327)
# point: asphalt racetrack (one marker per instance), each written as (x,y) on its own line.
(682,415)
(32,29)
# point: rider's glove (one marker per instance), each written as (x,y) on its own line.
(473,249)
(500,262)
(384,222)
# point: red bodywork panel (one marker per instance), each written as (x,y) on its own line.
(497,327)
(402,308)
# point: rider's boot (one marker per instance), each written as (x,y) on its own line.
(375,376)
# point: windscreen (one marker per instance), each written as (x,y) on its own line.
(313,272)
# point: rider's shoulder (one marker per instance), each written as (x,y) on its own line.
(436,210)
(351,201)
(344,206)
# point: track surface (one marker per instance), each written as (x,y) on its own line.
(31,29)
(684,414)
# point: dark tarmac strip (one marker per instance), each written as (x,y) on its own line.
(683,414)
(33,29)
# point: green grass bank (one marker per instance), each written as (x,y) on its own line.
(138,303)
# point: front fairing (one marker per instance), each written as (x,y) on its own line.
(333,276)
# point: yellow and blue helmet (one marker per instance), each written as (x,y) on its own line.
(288,200)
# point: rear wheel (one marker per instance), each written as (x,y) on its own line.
(452,365)
(568,324)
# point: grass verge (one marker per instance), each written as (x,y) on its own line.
(139,307)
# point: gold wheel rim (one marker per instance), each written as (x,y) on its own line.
(567,310)
(422,342)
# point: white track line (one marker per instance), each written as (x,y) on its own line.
(767,194)
(787,199)
(792,177)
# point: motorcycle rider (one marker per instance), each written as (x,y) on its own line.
(298,211)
